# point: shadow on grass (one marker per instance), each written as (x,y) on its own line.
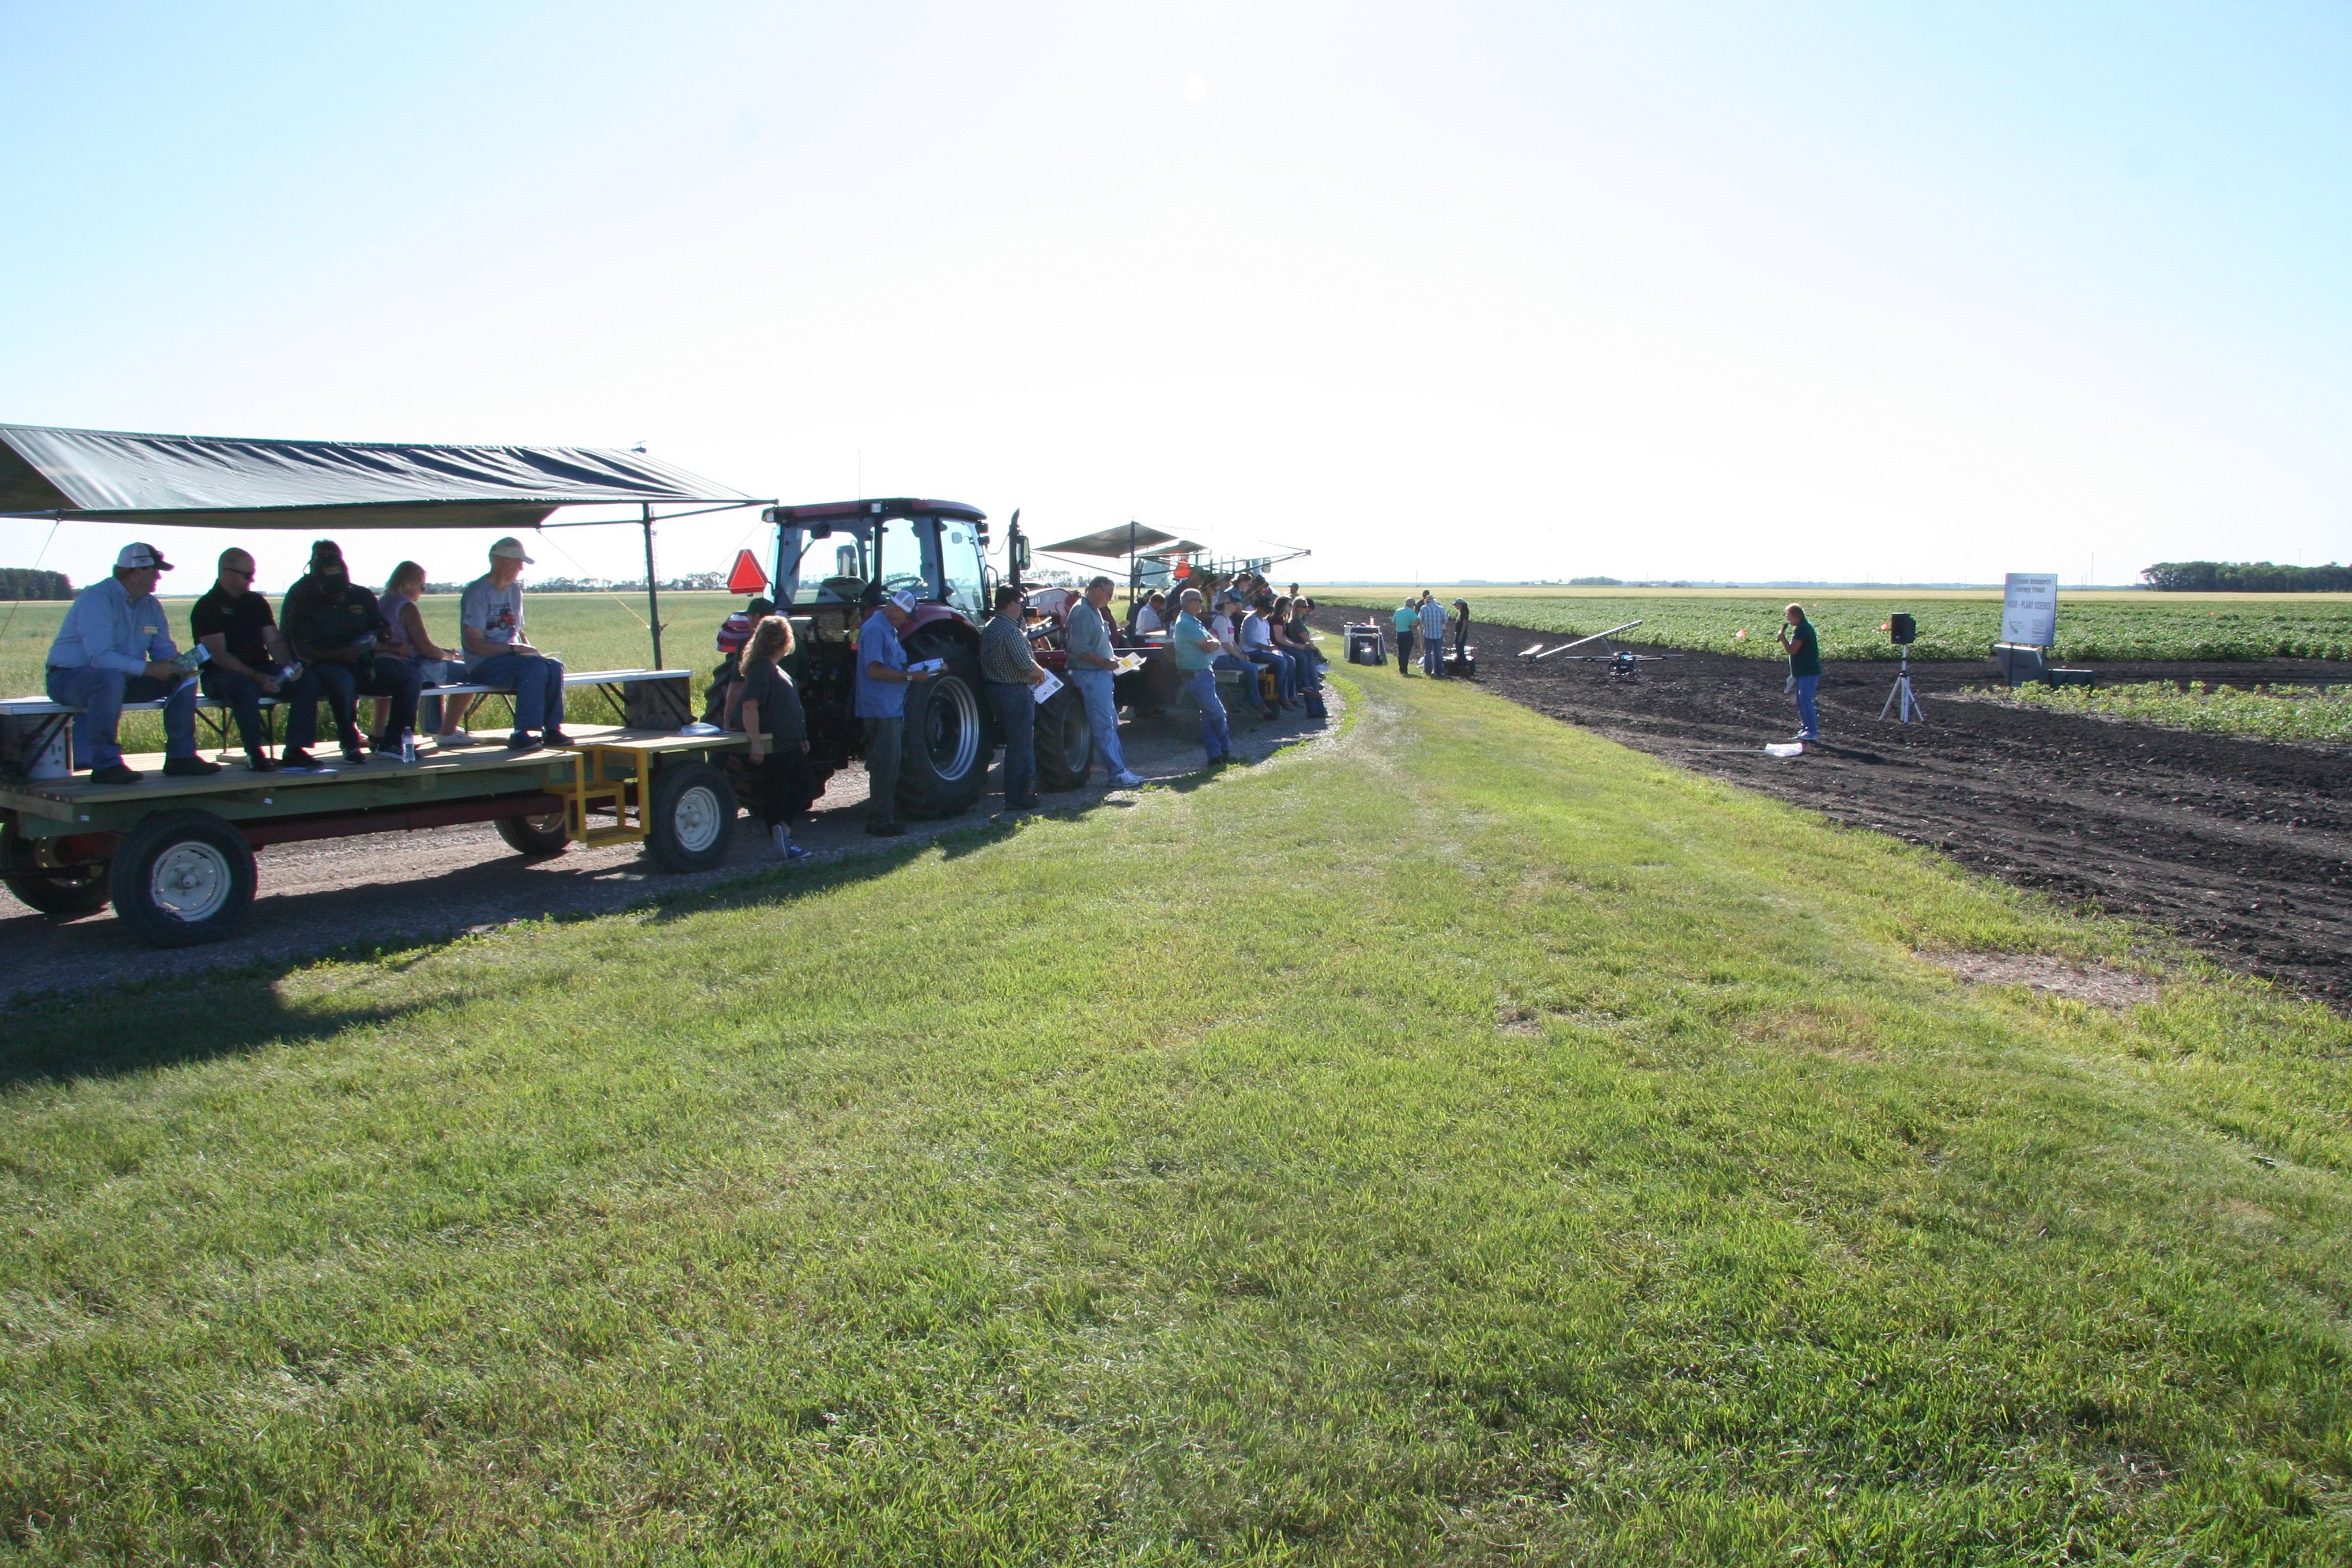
(63,1042)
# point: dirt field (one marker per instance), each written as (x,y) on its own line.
(2241,846)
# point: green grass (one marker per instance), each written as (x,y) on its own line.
(1951,625)
(2267,714)
(1470,1142)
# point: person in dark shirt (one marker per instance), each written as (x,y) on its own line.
(770,712)
(337,629)
(246,654)
(1804,645)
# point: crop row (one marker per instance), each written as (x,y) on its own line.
(2265,713)
(1855,628)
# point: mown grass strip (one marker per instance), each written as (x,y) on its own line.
(1474,1140)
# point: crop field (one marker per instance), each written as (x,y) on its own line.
(1951,625)
(2266,714)
(1527,1152)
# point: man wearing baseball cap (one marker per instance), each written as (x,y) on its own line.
(115,647)
(489,617)
(882,681)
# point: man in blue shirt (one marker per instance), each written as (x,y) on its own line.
(1196,649)
(882,681)
(1433,636)
(115,647)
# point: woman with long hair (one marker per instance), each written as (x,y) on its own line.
(435,664)
(770,714)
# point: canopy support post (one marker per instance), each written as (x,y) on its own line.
(653,591)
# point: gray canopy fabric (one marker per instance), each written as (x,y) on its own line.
(1125,540)
(203,481)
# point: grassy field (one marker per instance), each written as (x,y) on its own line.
(1466,1142)
(2270,715)
(1952,625)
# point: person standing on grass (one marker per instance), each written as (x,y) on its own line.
(1407,617)
(1093,670)
(489,621)
(1804,647)
(882,681)
(115,647)
(770,714)
(1432,634)
(238,630)
(1196,654)
(1009,674)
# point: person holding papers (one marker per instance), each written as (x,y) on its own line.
(882,681)
(1008,673)
(115,647)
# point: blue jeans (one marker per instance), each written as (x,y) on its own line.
(1808,721)
(1432,654)
(101,694)
(1016,721)
(1285,673)
(536,683)
(1214,736)
(1097,690)
(342,685)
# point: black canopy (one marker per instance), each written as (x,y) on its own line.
(206,481)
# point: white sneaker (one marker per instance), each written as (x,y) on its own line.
(454,740)
(781,838)
(1127,781)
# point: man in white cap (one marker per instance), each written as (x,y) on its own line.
(115,647)
(882,681)
(489,617)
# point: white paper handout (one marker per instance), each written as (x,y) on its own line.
(1045,688)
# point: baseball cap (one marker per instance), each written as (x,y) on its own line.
(511,549)
(132,557)
(904,599)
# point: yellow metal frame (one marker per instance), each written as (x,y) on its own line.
(589,788)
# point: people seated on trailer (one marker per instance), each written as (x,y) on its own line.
(490,619)
(337,628)
(115,647)
(1290,639)
(1151,615)
(435,664)
(1258,647)
(1224,624)
(882,681)
(248,654)
(718,701)
(769,705)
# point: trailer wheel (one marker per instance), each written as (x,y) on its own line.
(943,761)
(181,878)
(65,894)
(690,821)
(537,836)
(1066,742)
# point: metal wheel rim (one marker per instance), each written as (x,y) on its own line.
(951,754)
(695,818)
(190,882)
(545,821)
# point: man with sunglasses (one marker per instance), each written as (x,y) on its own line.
(237,629)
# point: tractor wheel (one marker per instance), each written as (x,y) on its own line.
(943,761)
(535,837)
(65,894)
(181,878)
(1066,742)
(690,821)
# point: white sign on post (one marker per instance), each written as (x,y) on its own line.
(2029,609)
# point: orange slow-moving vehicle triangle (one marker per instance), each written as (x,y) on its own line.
(747,577)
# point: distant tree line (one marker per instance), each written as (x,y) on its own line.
(698,583)
(29,582)
(2246,577)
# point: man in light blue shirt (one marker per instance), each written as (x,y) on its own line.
(1432,634)
(882,681)
(116,647)
(1197,650)
(1094,668)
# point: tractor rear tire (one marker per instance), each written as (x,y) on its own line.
(181,878)
(64,895)
(1066,742)
(535,837)
(943,758)
(690,821)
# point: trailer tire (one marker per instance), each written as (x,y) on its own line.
(690,821)
(943,759)
(181,878)
(1066,742)
(64,895)
(535,837)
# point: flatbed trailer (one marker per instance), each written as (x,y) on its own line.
(175,856)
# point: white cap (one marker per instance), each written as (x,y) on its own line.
(511,549)
(135,557)
(904,599)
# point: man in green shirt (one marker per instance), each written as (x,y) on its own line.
(1804,647)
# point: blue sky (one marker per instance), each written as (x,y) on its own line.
(1845,291)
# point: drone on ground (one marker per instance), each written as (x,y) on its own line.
(1623,663)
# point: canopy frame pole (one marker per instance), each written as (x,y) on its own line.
(653,587)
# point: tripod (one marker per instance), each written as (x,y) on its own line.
(1903,702)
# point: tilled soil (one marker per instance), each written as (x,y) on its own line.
(2243,846)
